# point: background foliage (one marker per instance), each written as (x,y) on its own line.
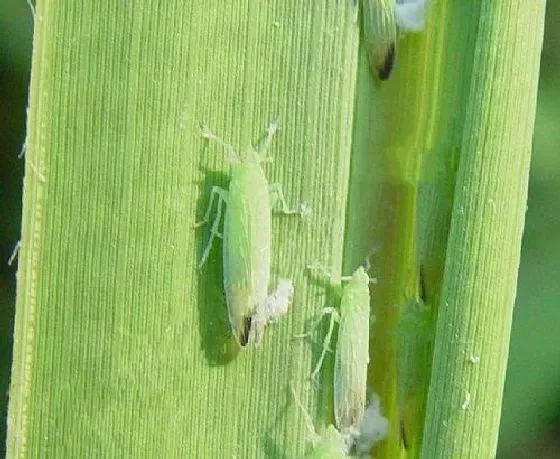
(531,416)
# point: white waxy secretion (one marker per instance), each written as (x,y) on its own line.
(374,427)
(411,15)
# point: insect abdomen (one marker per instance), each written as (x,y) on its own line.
(352,353)
(380,33)
(246,250)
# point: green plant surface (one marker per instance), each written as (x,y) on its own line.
(407,137)
(122,348)
(483,249)
(413,128)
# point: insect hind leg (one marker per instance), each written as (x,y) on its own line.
(214,231)
(308,421)
(277,197)
(326,341)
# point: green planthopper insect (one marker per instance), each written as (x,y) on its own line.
(331,445)
(382,22)
(334,444)
(358,425)
(246,241)
(352,351)
(380,33)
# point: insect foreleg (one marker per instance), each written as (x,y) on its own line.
(264,142)
(208,134)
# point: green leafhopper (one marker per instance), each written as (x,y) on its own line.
(352,351)
(380,33)
(332,444)
(382,20)
(413,352)
(246,241)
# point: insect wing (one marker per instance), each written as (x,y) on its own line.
(352,354)
(380,33)
(331,445)
(246,253)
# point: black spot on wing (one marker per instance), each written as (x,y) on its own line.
(244,334)
(404,440)
(385,66)
(422,284)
